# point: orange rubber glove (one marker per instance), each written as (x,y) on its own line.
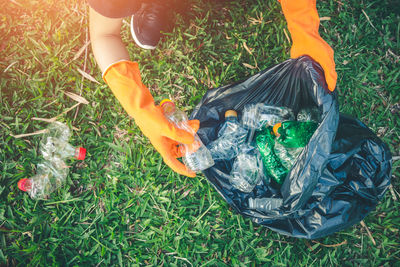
(125,82)
(303,23)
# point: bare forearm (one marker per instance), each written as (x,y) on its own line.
(107,44)
(108,50)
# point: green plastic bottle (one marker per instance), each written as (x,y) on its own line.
(274,168)
(293,134)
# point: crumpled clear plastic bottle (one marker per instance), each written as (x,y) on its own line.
(265,204)
(52,172)
(53,148)
(287,155)
(57,130)
(230,137)
(49,176)
(247,170)
(195,159)
(256,116)
(309,114)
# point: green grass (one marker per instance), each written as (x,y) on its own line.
(122,205)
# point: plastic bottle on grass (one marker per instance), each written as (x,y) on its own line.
(52,172)
(57,130)
(49,176)
(53,148)
(230,137)
(196,156)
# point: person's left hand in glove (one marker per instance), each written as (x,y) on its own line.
(124,79)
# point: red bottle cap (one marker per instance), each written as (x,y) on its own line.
(22,184)
(81,153)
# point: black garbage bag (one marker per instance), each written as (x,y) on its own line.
(339,177)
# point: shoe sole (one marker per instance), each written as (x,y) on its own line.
(144,46)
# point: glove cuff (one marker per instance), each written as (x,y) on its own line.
(134,66)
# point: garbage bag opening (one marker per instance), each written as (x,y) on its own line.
(329,187)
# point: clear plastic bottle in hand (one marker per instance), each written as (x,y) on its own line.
(230,137)
(196,156)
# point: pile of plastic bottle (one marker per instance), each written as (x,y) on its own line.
(265,144)
(52,171)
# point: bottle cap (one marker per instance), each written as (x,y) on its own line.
(276,128)
(80,153)
(230,113)
(22,184)
(166,101)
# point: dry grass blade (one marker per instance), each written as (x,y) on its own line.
(9,66)
(18,4)
(184,259)
(80,52)
(308,245)
(55,118)
(324,18)
(87,76)
(287,36)
(29,134)
(186,193)
(368,232)
(44,119)
(198,219)
(248,66)
(392,193)
(331,246)
(77,98)
(247,48)
(369,21)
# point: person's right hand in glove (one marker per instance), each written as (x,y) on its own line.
(123,77)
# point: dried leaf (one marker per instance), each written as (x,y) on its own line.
(88,76)
(79,53)
(247,48)
(248,66)
(77,98)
